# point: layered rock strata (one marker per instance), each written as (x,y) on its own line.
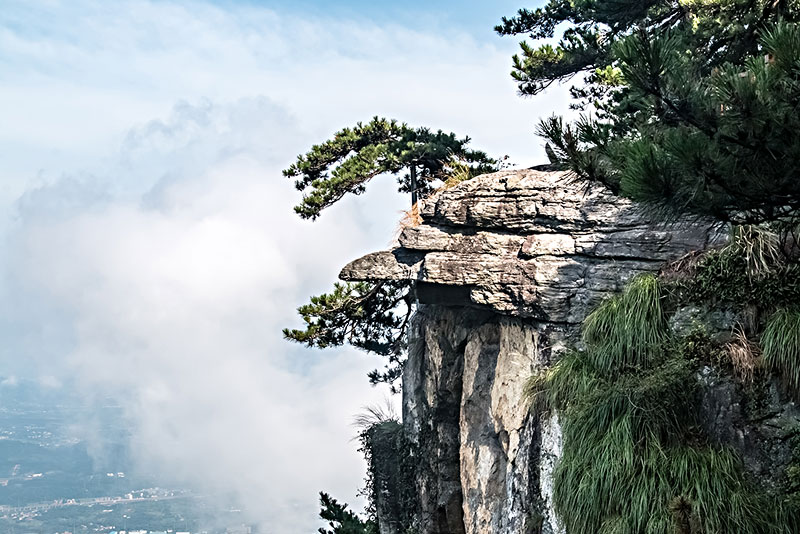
(528,244)
(505,267)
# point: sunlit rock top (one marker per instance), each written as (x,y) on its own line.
(528,243)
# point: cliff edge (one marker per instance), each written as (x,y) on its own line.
(505,267)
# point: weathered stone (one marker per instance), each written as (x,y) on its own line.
(756,422)
(551,447)
(432,383)
(643,242)
(548,245)
(527,242)
(527,201)
(687,319)
(399,264)
(464,407)
(431,238)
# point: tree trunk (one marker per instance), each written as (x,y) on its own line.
(413,174)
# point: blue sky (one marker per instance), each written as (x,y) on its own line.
(150,250)
(478,18)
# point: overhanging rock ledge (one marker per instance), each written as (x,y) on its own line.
(530,244)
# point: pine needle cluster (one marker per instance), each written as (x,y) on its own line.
(354,156)
(690,107)
(781,345)
(371,316)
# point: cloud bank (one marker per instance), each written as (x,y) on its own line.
(151,251)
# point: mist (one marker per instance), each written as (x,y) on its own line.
(151,252)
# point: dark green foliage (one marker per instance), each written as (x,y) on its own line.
(715,31)
(345,163)
(389,485)
(369,316)
(781,345)
(697,346)
(571,378)
(633,487)
(686,114)
(341,520)
(749,271)
(792,499)
(634,459)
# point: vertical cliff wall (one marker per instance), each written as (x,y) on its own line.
(506,267)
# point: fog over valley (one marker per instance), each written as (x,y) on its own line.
(151,256)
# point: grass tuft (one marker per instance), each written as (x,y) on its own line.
(554,388)
(628,330)
(781,346)
(634,457)
(751,270)
(744,355)
(758,246)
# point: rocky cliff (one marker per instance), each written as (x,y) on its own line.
(506,267)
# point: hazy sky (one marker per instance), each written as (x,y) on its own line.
(149,250)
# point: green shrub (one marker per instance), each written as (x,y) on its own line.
(750,270)
(632,450)
(389,485)
(571,378)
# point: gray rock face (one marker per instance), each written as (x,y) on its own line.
(432,386)
(758,429)
(530,244)
(480,449)
(506,266)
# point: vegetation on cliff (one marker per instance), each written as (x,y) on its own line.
(373,316)
(341,520)
(388,486)
(781,344)
(635,456)
(691,108)
(354,156)
(370,316)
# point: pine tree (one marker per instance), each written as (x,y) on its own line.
(353,156)
(689,106)
(373,316)
(341,520)
(368,316)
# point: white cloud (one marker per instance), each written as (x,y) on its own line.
(175,300)
(152,253)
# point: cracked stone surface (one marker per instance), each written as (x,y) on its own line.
(531,244)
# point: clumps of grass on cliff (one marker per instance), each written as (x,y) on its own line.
(389,484)
(753,269)
(634,459)
(628,330)
(743,355)
(756,273)
(781,345)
